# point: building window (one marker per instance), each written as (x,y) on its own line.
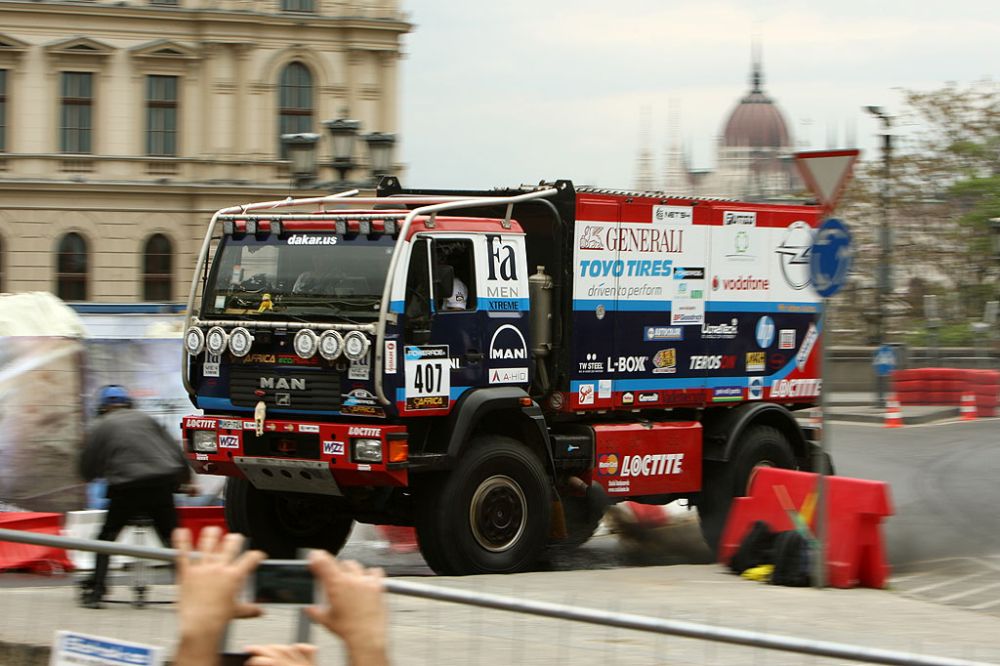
(77,104)
(71,268)
(157,273)
(3,110)
(295,102)
(161,116)
(297,6)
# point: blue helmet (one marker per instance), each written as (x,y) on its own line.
(112,395)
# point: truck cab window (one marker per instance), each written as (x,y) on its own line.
(460,294)
(418,285)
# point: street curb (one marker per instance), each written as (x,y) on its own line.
(943,414)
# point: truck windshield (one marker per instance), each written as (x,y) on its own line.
(316,274)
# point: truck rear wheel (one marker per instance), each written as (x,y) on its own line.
(281,523)
(491,514)
(759,446)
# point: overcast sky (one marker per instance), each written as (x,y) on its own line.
(515,91)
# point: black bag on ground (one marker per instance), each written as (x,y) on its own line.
(792,560)
(756,548)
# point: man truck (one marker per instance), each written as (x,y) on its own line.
(614,346)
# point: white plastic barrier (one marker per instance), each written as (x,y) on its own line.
(87,525)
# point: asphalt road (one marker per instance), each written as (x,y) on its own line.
(943,541)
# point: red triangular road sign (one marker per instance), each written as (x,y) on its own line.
(826,173)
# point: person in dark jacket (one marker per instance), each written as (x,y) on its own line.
(143,466)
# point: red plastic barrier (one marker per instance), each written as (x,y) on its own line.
(197,518)
(37,559)
(946,386)
(855,554)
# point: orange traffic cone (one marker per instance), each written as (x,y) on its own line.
(968,408)
(893,416)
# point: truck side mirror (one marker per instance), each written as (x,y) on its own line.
(444,281)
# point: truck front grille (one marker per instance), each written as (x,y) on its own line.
(298,390)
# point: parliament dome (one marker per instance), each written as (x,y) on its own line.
(756,121)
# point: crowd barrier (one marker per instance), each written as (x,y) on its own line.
(948,387)
(855,508)
(86,525)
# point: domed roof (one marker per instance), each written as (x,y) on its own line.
(756,122)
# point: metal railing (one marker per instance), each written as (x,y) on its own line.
(552,610)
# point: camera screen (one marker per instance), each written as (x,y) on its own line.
(284,584)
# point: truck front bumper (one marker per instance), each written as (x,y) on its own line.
(297,456)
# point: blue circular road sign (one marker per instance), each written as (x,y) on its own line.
(830,258)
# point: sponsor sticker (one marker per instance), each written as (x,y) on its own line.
(427,402)
(793,254)
(202,424)
(201,456)
(363,410)
(590,364)
(687,313)
(722,331)
(764,332)
(665,361)
(210,368)
(727,394)
(664,333)
(305,427)
(645,398)
(229,424)
(654,464)
(507,344)
(604,389)
(713,362)
(229,442)
(755,361)
(689,273)
(360,370)
(786,338)
(746,218)
(755,388)
(796,388)
(333,448)
(628,398)
(311,239)
(585,394)
(391,359)
(808,342)
(509,376)
(607,464)
(673,214)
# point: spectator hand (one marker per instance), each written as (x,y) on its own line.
(355,605)
(208,587)
(300,654)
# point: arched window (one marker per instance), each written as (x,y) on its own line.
(71,268)
(157,269)
(295,102)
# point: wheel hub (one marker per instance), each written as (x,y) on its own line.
(497,513)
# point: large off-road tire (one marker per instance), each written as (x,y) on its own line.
(759,446)
(583,514)
(491,513)
(281,523)
(426,508)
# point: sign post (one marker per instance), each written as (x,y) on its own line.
(826,173)
(829,266)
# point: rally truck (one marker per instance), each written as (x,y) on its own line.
(613,346)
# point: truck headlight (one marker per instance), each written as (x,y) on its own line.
(356,345)
(194,340)
(240,341)
(331,343)
(305,343)
(215,340)
(367,450)
(203,441)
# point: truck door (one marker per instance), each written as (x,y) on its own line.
(442,342)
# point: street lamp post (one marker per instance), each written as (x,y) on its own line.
(343,133)
(301,151)
(380,147)
(883,287)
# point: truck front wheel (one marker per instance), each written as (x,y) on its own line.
(759,446)
(491,513)
(281,523)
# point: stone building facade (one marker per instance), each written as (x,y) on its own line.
(125,124)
